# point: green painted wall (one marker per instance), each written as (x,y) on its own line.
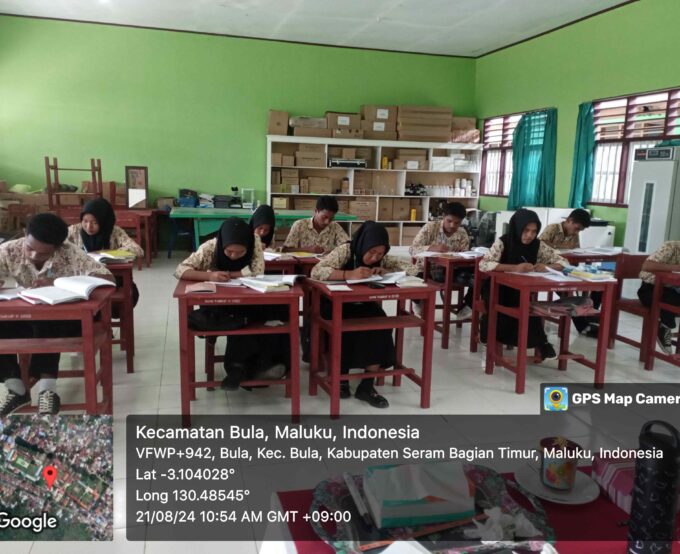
(628,50)
(193,108)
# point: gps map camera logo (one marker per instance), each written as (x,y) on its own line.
(556,399)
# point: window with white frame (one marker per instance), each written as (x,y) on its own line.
(622,125)
(497,162)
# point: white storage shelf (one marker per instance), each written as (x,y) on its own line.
(463,161)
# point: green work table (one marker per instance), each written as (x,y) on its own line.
(209,220)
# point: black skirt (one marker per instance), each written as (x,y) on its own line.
(363,348)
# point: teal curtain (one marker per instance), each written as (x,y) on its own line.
(533,160)
(584,154)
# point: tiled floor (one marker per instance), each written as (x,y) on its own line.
(460,386)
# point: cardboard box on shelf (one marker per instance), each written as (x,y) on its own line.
(278,123)
(341,120)
(304,186)
(379,125)
(308,122)
(320,185)
(277,188)
(393,233)
(305,203)
(290,173)
(417,124)
(409,164)
(363,209)
(401,209)
(311,132)
(425,111)
(409,233)
(378,135)
(385,209)
(409,137)
(379,112)
(463,123)
(288,181)
(349,153)
(348,133)
(277,158)
(287,161)
(165,202)
(343,206)
(310,159)
(385,182)
(281,202)
(305,147)
(364,153)
(276,177)
(462,135)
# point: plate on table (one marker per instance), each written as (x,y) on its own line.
(585,489)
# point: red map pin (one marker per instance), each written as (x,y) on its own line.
(50,475)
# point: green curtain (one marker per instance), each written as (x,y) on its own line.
(533,160)
(584,154)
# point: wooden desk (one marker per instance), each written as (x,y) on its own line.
(123,298)
(209,220)
(142,221)
(240,296)
(96,337)
(336,326)
(579,258)
(287,266)
(450,264)
(661,279)
(526,286)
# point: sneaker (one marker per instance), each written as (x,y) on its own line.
(417,308)
(233,378)
(13,402)
(277,371)
(464,313)
(48,403)
(370,395)
(664,339)
(345,391)
(547,352)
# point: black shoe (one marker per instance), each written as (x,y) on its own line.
(370,395)
(591,331)
(345,391)
(547,352)
(664,339)
(233,378)
(48,403)
(13,402)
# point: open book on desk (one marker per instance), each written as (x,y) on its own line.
(468,254)
(398,278)
(112,256)
(11,293)
(270,283)
(65,289)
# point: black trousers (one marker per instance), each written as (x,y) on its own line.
(670,296)
(41,364)
(583,321)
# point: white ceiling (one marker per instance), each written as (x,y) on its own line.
(450,27)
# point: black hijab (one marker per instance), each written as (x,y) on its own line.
(106,218)
(264,215)
(514,250)
(234,231)
(369,235)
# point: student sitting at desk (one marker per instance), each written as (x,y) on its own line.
(97,231)
(236,252)
(371,350)
(36,261)
(263,223)
(666,258)
(445,236)
(520,251)
(566,236)
(320,234)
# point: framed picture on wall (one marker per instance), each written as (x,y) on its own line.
(137,185)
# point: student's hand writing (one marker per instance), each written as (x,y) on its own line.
(42,283)
(218,276)
(359,273)
(438,248)
(524,268)
(379,271)
(540,268)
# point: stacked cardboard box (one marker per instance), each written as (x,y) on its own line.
(393,233)
(278,123)
(281,202)
(410,158)
(310,159)
(290,177)
(344,125)
(464,129)
(385,183)
(379,122)
(401,209)
(305,126)
(305,203)
(343,206)
(363,209)
(408,233)
(385,209)
(424,123)
(320,185)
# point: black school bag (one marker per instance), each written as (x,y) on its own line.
(211,318)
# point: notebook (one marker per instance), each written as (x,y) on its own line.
(65,289)
(112,256)
(270,283)
(10,293)
(203,286)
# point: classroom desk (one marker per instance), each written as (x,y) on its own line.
(336,326)
(146,228)
(526,286)
(450,264)
(661,279)
(96,337)
(123,297)
(209,220)
(241,296)
(581,258)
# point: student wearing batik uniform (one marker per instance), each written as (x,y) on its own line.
(263,223)
(237,252)
(370,350)
(319,234)
(446,235)
(36,261)
(666,258)
(566,236)
(97,231)
(519,251)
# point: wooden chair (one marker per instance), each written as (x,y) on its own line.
(629,267)
(19,214)
(131,222)
(478,306)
